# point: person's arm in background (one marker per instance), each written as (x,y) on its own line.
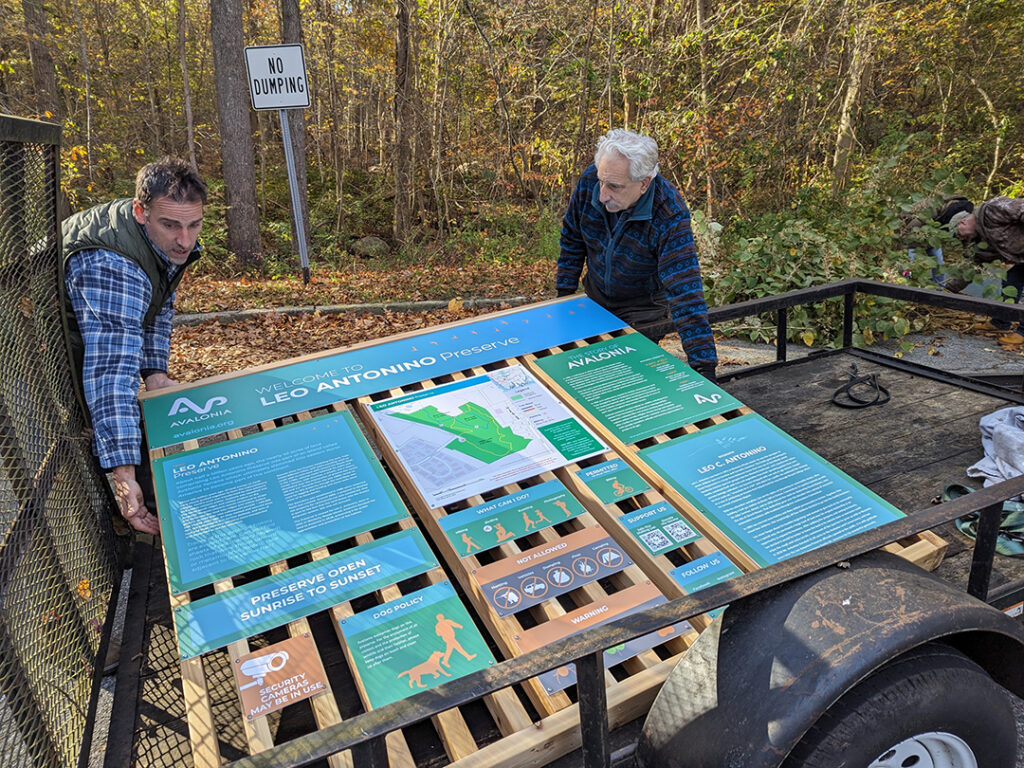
(110,295)
(679,270)
(573,253)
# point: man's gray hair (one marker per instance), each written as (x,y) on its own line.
(640,150)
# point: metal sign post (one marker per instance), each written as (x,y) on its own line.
(277,80)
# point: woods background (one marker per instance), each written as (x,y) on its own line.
(454,129)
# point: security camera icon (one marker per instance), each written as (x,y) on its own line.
(260,666)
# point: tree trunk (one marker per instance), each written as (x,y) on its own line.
(84,50)
(403,124)
(702,20)
(186,90)
(236,150)
(44,74)
(291,32)
(858,58)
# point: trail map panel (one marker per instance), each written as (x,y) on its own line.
(635,388)
(417,641)
(475,435)
(771,495)
(234,506)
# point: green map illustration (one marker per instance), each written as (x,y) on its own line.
(477,433)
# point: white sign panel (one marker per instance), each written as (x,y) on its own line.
(277,76)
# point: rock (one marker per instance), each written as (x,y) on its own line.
(369,247)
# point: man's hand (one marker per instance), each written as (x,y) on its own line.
(560,292)
(158,381)
(129,500)
(707,370)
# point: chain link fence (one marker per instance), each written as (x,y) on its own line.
(58,570)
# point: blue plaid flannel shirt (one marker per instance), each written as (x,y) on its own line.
(110,295)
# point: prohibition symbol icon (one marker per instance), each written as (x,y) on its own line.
(534,586)
(507,597)
(609,557)
(560,576)
(584,566)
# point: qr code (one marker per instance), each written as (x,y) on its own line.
(679,530)
(655,540)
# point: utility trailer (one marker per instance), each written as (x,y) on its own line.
(798,668)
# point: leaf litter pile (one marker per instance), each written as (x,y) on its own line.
(213,348)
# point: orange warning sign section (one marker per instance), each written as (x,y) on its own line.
(614,606)
(280,674)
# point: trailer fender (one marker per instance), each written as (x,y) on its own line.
(759,677)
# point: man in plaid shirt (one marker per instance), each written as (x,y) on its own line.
(632,230)
(122,264)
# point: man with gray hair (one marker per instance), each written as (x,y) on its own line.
(631,229)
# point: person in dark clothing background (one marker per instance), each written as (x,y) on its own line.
(995,231)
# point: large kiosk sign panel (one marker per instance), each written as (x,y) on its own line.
(209,409)
(768,493)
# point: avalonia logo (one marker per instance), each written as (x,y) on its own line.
(183,404)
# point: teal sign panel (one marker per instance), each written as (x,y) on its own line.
(612,481)
(771,495)
(210,409)
(486,526)
(659,528)
(415,642)
(214,621)
(234,506)
(704,572)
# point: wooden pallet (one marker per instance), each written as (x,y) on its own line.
(521,726)
(507,631)
(924,549)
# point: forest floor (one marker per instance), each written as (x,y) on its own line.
(213,347)
(217,347)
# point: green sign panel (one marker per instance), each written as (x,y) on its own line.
(659,528)
(418,641)
(635,388)
(612,481)
(485,526)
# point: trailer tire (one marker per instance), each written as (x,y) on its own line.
(932,703)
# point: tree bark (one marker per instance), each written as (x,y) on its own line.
(291,32)
(403,124)
(236,149)
(859,57)
(186,90)
(44,73)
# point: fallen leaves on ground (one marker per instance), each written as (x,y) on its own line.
(213,348)
(367,282)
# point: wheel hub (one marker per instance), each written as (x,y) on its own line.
(928,750)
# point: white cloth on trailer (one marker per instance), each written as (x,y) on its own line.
(1002,438)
